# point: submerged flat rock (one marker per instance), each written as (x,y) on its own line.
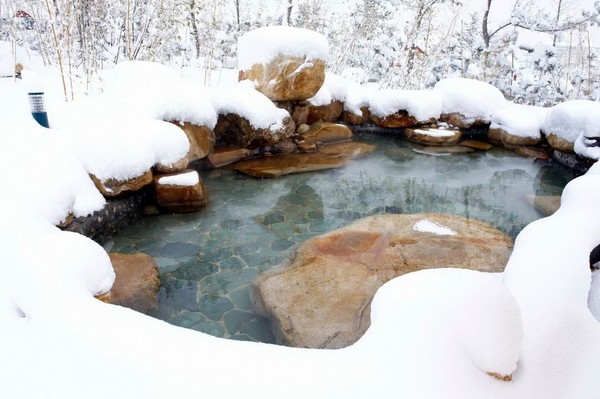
(322,298)
(446,150)
(329,157)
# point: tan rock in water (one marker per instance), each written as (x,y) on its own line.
(322,298)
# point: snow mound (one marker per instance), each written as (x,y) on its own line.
(262,45)
(335,88)
(243,100)
(422,104)
(471,98)
(11,55)
(519,120)
(152,90)
(359,96)
(126,149)
(571,118)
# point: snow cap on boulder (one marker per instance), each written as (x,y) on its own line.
(470,98)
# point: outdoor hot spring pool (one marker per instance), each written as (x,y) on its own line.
(208,260)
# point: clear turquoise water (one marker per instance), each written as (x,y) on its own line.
(208,259)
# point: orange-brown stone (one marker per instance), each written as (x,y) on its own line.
(433,136)
(560,144)
(201,138)
(324,113)
(287,78)
(504,139)
(114,187)
(136,282)
(180,198)
(460,121)
(351,118)
(329,157)
(321,299)
(238,131)
(326,132)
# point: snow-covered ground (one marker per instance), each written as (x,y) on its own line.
(434,333)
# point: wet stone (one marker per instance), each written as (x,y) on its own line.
(259,329)
(186,319)
(234,319)
(180,294)
(166,265)
(218,255)
(195,271)
(241,337)
(211,328)
(232,263)
(282,245)
(273,218)
(241,298)
(177,249)
(214,307)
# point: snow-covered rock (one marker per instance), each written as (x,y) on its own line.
(180,192)
(517,125)
(284,63)
(401,108)
(466,102)
(567,121)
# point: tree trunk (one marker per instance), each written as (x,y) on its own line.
(484,25)
(557,18)
(194,24)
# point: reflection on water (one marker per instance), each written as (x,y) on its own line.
(208,259)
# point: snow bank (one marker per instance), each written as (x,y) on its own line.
(243,100)
(570,119)
(335,88)
(471,98)
(11,55)
(519,120)
(152,90)
(359,96)
(422,104)
(262,45)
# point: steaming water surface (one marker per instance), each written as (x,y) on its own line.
(208,259)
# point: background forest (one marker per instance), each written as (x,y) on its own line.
(537,52)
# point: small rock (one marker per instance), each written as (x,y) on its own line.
(460,121)
(324,113)
(327,133)
(433,136)
(180,192)
(351,118)
(303,128)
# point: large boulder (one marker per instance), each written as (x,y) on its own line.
(285,63)
(322,298)
(325,113)
(180,192)
(136,282)
(351,118)
(236,130)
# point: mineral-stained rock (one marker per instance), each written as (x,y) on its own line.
(322,298)
(447,150)
(533,152)
(287,78)
(223,156)
(136,283)
(324,113)
(329,157)
(399,119)
(201,138)
(180,192)
(460,121)
(560,144)
(476,145)
(113,187)
(326,132)
(433,136)
(238,131)
(283,147)
(351,118)
(503,138)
